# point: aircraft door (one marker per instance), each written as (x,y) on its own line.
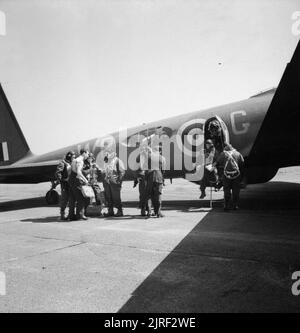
(224,129)
(216,130)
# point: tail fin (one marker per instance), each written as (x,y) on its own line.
(278,140)
(13,145)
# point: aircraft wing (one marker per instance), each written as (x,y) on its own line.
(28,172)
(278,141)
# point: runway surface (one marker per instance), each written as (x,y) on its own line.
(196,259)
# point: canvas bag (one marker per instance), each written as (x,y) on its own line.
(87,191)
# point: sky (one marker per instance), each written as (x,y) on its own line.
(79,69)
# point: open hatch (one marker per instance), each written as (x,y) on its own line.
(216,130)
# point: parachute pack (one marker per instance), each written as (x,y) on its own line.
(231,168)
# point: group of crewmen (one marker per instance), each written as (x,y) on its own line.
(80,179)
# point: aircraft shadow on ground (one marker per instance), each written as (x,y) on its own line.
(208,272)
(48,219)
(221,266)
(212,274)
(273,195)
(22,204)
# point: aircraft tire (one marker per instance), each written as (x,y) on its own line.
(52,197)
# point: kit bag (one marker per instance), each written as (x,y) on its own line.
(87,191)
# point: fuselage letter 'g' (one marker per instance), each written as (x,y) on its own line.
(244,126)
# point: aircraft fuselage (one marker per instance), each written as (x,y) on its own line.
(242,120)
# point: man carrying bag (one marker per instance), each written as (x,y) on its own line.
(77,189)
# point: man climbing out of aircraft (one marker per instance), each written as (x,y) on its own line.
(62,175)
(77,180)
(217,136)
(210,172)
(155,180)
(114,172)
(230,164)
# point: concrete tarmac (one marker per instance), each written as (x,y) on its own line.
(195,259)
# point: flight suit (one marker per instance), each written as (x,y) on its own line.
(87,172)
(95,173)
(140,180)
(62,174)
(76,197)
(231,187)
(143,204)
(208,176)
(154,185)
(112,183)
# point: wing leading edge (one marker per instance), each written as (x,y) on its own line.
(28,173)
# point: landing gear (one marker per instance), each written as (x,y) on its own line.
(52,197)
